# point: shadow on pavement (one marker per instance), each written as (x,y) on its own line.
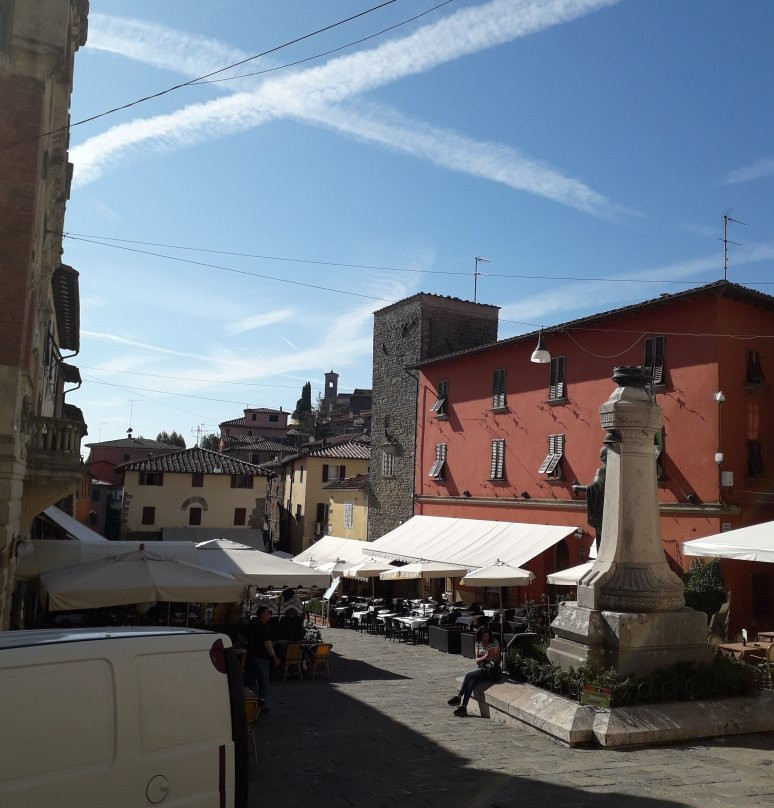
(324,747)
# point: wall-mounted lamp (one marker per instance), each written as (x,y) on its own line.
(524,495)
(578,534)
(540,355)
(718,457)
(466,493)
(719,397)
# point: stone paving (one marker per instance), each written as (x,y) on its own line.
(380,734)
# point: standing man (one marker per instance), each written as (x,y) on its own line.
(260,655)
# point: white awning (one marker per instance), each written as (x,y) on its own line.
(73,527)
(571,576)
(53,554)
(333,548)
(261,569)
(468,542)
(752,543)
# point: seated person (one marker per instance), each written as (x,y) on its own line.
(487,655)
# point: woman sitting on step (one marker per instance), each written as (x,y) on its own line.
(487,654)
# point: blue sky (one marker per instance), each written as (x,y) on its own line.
(564,140)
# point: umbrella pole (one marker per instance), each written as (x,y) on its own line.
(169,613)
(502,621)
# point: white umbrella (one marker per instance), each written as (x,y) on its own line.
(222,544)
(499,575)
(261,569)
(333,568)
(369,568)
(139,577)
(571,576)
(424,569)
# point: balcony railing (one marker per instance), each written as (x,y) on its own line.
(55,439)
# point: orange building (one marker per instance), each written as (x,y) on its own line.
(499,437)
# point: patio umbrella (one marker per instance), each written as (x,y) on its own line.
(222,544)
(139,577)
(425,570)
(499,575)
(261,569)
(368,568)
(333,568)
(571,576)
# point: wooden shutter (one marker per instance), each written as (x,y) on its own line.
(342,472)
(556,380)
(324,475)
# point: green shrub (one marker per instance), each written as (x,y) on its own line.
(704,586)
(313,606)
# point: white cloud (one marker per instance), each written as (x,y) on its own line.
(103,337)
(308,95)
(756,171)
(259,321)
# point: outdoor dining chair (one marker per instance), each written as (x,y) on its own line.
(765,664)
(318,660)
(252,711)
(293,658)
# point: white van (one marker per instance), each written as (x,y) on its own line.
(91,718)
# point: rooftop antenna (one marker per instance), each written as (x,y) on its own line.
(476,273)
(132,402)
(726,242)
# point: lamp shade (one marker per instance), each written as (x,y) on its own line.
(540,355)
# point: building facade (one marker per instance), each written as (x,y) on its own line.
(260,422)
(191,488)
(501,438)
(40,433)
(347,514)
(406,333)
(297,504)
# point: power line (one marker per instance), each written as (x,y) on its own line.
(165,392)
(328,52)
(106,241)
(235,271)
(205,76)
(190,378)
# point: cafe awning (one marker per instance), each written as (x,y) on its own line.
(468,542)
(73,527)
(334,548)
(752,543)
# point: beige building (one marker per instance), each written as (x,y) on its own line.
(298,500)
(191,489)
(40,435)
(348,507)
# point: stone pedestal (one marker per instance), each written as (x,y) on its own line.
(634,643)
(630,613)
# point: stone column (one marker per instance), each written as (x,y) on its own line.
(630,613)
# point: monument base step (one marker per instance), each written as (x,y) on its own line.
(528,708)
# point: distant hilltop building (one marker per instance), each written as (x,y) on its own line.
(259,422)
(344,413)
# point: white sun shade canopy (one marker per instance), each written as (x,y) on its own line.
(470,543)
(261,569)
(498,575)
(370,568)
(571,576)
(73,527)
(752,543)
(333,548)
(424,569)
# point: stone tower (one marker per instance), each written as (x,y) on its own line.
(331,388)
(405,333)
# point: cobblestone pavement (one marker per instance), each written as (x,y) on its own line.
(380,734)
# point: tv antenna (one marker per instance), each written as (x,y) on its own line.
(726,242)
(478,260)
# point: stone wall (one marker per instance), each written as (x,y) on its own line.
(408,332)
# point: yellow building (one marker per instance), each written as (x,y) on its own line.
(348,507)
(298,499)
(191,489)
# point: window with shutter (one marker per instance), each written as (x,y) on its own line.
(197,480)
(325,473)
(441,399)
(658,450)
(388,464)
(755,467)
(556,379)
(498,389)
(240,516)
(320,513)
(148,515)
(497,458)
(195,516)
(654,358)
(754,368)
(436,470)
(551,464)
(349,510)
(241,481)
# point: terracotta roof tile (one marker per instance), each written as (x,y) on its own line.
(359,482)
(196,460)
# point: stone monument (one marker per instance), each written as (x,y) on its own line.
(630,614)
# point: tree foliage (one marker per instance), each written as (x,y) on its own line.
(172,438)
(304,404)
(211,442)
